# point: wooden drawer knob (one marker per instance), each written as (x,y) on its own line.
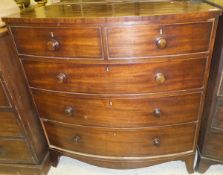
(69,110)
(53,45)
(156,142)
(161,43)
(61,77)
(160,78)
(157,112)
(77,139)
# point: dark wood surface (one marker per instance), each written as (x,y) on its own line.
(115,142)
(3,98)
(104,12)
(122,112)
(87,42)
(21,139)
(9,125)
(140,41)
(97,94)
(15,151)
(96,79)
(211,133)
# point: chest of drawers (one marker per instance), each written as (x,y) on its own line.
(211,134)
(120,84)
(23,147)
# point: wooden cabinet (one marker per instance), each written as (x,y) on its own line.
(211,134)
(23,147)
(105,76)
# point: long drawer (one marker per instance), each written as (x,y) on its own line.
(122,142)
(15,150)
(9,125)
(82,42)
(117,78)
(117,112)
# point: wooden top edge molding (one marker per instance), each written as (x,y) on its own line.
(218,3)
(101,12)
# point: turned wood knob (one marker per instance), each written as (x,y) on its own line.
(161,43)
(69,110)
(156,142)
(77,139)
(160,78)
(61,77)
(53,45)
(157,112)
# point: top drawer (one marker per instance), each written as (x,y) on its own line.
(58,42)
(153,40)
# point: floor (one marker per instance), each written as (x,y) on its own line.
(68,166)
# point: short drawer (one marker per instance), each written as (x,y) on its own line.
(122,142)
(117,112)
(14,151)
(214,145)
(153,40)
(116,78)
(82,42)
(9,125)
(3,98)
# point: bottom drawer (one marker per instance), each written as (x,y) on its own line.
(122,142)
(14,151)
(214,146)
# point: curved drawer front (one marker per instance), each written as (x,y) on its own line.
(116,79)
(14,150)
(82,42)
(9,125)
(148,40)
(117,112)
(116,142)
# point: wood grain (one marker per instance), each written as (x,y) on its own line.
(14,151)
(119,79)
(117,112)
(3,98)
(73,42)
(116,142)
(9,125)
(140,40)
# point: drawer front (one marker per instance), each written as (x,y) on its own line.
(116,79)
(116,142)
(9,125)
(149,40)
(13,151)
(3,98)
(59,42)
(214,145)
(217,121)
(117,112)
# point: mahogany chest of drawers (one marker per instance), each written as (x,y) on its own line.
(118,84)
(23,147)
(211,134)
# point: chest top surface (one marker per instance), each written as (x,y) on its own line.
(101,11)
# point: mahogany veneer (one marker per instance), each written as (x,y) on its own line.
(211,134)
(23,147)
(118,84)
